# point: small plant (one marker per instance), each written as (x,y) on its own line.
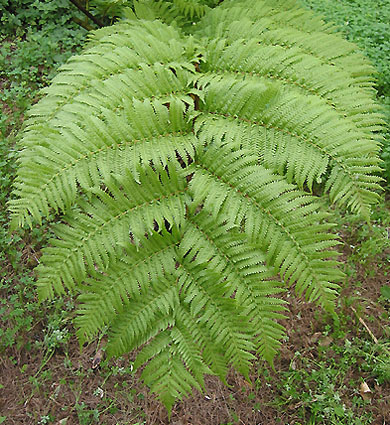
(86,416)
(17,312)
(179,157)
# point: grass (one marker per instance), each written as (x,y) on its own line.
(46,379)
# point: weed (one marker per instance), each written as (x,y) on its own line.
(324,389)
(85,415)
(18,311)
(367,242)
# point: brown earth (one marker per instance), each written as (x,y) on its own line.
(67,380)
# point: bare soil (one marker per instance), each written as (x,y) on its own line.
(67,381)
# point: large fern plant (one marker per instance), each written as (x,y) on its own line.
(188,171)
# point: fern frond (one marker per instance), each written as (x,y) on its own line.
(145,131)
(264,23)
(190,8)
(287,12)
(168,377)
(204,312)
(275,63)
(283,221)
(272,147)
(91,235)
(219,316)
(230,253)
(122,297)
(108,289)
(131,62)
(243,99)
(200,291)
(172,12)
(112,60)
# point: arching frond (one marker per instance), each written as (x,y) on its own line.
(283,221)
(239,99)
(90,237)
(229,252)
(145,131)
(100,110)
(173,12)
(108,289)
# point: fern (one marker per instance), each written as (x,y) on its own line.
(176,12)
(190,173)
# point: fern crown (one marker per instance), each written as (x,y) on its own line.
(190,158)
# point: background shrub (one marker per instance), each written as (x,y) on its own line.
(366,23)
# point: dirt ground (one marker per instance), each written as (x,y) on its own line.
(68,385)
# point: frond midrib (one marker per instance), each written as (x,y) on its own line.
(101,295)
(189,272)
(214,244)
(77,248)
(306,50)
(87,157)
(131,142)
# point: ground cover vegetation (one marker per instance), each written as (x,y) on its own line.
(322,363)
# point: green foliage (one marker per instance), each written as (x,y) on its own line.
(182,170)
(22,17)
(368,242)
(322,388)
(182,12)
(385,292)
(16,313)
(385,101)
(316,387)
(36,37)
(323,382)
(86,416)
(366,23)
